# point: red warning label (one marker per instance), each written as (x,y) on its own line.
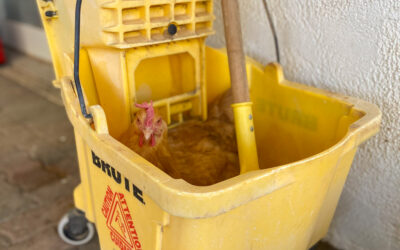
(119,221)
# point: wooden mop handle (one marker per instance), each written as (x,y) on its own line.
(234,44)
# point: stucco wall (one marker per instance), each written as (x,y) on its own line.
(350,47)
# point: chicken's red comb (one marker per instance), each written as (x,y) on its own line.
(148,107)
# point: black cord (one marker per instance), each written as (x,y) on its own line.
(76,59)
(272,26)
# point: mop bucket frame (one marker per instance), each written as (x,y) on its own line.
(306,141)
(290,206)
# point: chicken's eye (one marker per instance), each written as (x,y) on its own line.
(159,121)
(137,120)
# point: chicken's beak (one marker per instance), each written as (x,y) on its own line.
(147,134)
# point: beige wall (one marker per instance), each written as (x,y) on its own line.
(23,11)
(2,10)
(21,29)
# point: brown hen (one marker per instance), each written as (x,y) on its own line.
(147,136)
(221,108)
(202,153)
(205,152)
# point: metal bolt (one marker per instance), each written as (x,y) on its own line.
(251,128)
(50,13)
(250,117)
(172,29)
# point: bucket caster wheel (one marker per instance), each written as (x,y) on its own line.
(75,229)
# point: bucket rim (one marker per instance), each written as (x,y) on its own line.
(163,189)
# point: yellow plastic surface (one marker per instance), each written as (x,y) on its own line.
(245,137)
(122,41)
(306,140)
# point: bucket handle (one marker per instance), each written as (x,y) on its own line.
(76,59)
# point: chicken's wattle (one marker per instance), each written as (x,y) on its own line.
(141,140)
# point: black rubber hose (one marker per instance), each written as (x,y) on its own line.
(273,30)
(76,59)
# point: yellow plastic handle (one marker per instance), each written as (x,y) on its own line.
(245,136)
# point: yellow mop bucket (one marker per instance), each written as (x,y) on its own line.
(306,138)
